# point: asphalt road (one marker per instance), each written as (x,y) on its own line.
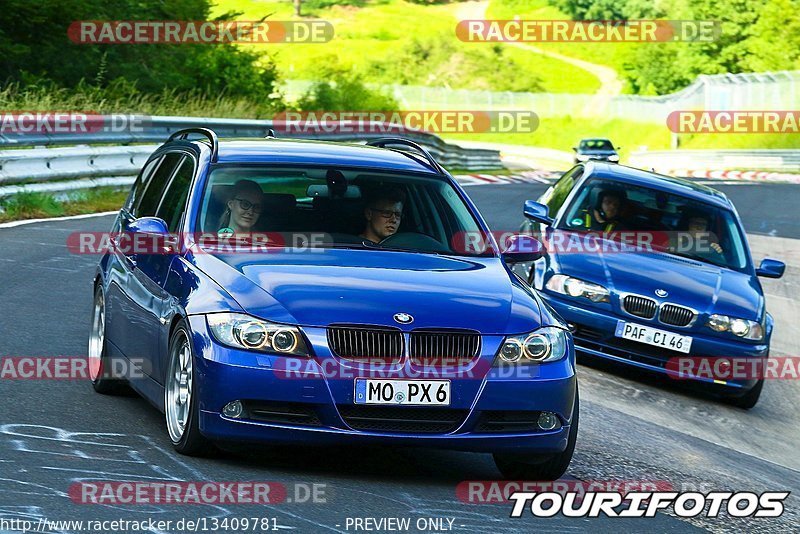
(56,433)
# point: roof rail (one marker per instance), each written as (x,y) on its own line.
(382,142)
(207,132)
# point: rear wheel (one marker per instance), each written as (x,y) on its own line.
(100,368)
(750,399)
(180,399)
(540,466)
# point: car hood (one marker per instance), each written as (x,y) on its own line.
(369,287)
(701,286)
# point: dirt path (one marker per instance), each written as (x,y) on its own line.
(610,84)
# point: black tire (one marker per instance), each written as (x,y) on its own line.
(541,467)
(749,399)
(101,370)
(190,442)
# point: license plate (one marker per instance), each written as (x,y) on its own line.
(405,392)
(653,336)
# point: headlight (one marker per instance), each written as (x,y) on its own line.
(546,344)
(613,158)
(245,332)
(574,287)
(582,157)
(738,327)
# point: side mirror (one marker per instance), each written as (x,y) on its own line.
(538,212)
(148,225)
(619,148)
(574,149)
(161,243)
(523,248)
(770,268)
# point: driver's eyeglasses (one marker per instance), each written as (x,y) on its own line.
(388,214)
(246,205)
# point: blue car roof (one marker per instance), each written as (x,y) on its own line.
(668,184)
(295,151)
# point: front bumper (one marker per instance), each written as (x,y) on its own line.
(593,334)
(325,402)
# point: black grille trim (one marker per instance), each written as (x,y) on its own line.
(507,422)
(405,419)
(287,413)
(676,315)
(444,347)
(366,343)
(640,306)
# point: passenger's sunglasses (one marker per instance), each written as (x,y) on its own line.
(388,214)
(246,205)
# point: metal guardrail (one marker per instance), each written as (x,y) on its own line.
(694,160)
(126,157)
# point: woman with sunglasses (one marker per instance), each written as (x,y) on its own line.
(244,208)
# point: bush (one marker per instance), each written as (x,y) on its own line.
(344,90)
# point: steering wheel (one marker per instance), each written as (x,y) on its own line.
(413,240)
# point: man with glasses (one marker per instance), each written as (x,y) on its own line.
(383,214)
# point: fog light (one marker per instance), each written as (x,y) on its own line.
(548,421)
(234,409)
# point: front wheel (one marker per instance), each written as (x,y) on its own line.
(540,467)
(180,399)
(749,399)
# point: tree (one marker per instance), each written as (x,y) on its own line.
(35,47)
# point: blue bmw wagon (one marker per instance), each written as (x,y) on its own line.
(321,293)
(654,272)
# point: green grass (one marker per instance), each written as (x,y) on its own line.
(609,54)
(31,205)
(379,34)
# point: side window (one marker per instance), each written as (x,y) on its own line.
(153,188)
(556,196)
(176,194)
(138,187)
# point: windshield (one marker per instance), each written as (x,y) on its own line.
(596,144)
(670,223)
(338,208)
